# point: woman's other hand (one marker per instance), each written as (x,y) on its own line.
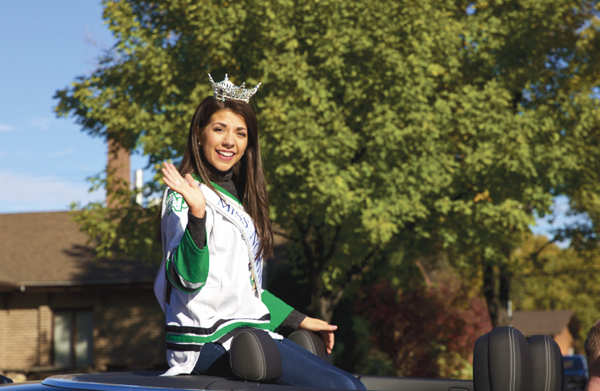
(188,188)
(320,326)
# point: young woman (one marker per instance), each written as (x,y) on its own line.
(215,231)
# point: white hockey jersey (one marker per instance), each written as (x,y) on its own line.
(207,294)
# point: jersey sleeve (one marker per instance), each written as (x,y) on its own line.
(293,320)
(278,309)
(186,265)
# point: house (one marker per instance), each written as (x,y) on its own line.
(560,325)
(61,308)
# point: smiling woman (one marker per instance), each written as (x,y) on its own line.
(218,129)
(215,231)
(224,139)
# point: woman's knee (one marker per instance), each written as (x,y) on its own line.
(303,368)
(359,385)
(352,383)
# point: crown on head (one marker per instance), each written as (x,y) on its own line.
(226,90)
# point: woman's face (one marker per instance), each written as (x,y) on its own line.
(224,139)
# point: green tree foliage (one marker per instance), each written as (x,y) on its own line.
(547,277)
(391,129)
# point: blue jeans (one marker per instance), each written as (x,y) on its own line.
(300,367)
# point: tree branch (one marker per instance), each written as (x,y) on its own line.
(356,269)
(333,246)
(534,256)
(280,233)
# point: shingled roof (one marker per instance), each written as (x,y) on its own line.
(47,249)
(541,322)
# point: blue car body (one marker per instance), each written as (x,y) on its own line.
(576,372)
(151,381)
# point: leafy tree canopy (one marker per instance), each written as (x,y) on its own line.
(391,129)
(550,278)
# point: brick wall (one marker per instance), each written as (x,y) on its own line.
(128,328)
(20,331)
(129,331)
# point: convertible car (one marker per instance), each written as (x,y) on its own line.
(503,360)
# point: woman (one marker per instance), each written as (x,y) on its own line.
(215,231)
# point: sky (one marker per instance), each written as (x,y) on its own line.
(45,160)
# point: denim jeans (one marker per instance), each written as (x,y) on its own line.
(300,367)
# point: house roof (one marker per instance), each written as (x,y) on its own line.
(541,322)
(48,250)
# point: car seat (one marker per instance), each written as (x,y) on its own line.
(504,360)
(311,342)
(547,364)
(254,356)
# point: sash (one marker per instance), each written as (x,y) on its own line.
(236,214)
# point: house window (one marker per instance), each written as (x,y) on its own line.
(73,338)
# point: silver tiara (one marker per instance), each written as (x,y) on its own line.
(226,90)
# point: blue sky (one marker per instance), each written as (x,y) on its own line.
(45,160)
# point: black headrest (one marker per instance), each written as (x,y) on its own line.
(548,371)
(254,356)
(502,361)
(311,342)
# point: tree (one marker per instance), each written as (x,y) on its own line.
(547,277)
(392,130)
(424,331)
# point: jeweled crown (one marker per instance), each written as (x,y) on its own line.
(226,90)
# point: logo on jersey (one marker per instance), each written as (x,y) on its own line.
(175,203)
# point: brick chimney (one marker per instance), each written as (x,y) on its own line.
(119,167)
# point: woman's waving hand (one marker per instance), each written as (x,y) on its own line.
(188,188)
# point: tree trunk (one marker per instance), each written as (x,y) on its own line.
(319,248)
(326,309)
(323,303)
(496,287)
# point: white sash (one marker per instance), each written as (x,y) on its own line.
(236,214)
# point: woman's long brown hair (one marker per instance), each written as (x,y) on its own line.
(248,174)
